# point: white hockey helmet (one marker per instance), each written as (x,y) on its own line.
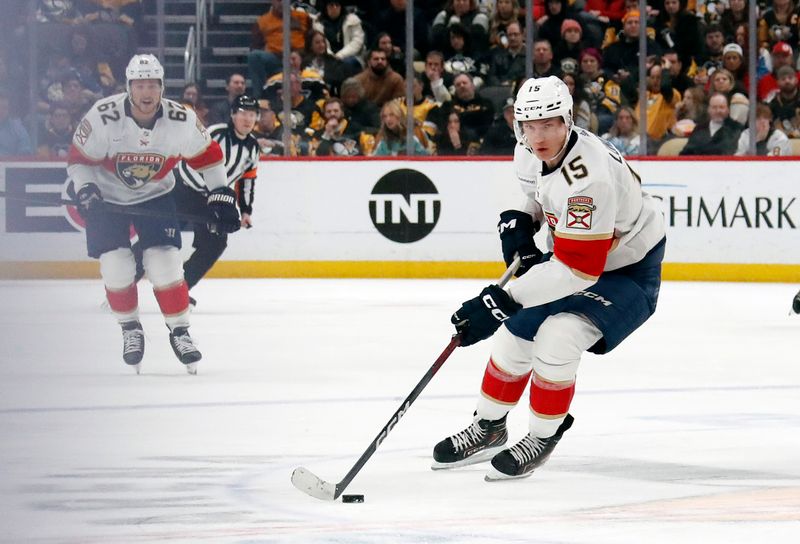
(144,67)
(542,98)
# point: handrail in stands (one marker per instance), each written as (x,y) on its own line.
(190,57)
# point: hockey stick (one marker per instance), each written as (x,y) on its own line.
(127,210)
(309,483)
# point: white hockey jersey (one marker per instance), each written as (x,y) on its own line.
(599,217)
(131,164)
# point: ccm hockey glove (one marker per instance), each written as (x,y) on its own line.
(480,317)
(88,200)
(222,208)
(516,230)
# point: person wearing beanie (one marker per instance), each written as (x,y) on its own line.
(571,43)
(604,93)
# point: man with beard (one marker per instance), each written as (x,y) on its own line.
(380,82)
(476,112)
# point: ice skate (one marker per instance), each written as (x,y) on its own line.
(477,443)
(184,348)
(519,460)
(796,303)
(192,303)
(132,344)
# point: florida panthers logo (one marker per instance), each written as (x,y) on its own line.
(136,169)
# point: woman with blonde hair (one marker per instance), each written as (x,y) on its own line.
(690,111)
(392,134)
(505,13)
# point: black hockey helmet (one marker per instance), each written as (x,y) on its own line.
(245,103)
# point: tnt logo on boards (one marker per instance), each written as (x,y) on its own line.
(405,206)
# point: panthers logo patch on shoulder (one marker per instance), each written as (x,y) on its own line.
(136,169)
(579,212)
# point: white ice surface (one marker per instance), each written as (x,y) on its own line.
(688,432)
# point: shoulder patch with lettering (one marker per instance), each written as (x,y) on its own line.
(579,212)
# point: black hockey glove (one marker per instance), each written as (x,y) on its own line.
(516,230)
(89,201)
(224,215)
(480,317)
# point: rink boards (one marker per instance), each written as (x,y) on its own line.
(732,219)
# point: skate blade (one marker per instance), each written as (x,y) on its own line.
(495,475)
(481,457)
(138,368)
(191,368)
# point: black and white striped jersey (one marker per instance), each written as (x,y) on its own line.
(241,165)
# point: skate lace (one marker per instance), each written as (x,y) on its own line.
(527,449)
(132,340)
(468,437)
(183,343)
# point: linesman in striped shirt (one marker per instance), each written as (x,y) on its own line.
(242,154)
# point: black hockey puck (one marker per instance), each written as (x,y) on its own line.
(352,498)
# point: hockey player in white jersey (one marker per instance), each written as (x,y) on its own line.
(596,285)
(121,161)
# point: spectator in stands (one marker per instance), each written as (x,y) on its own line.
(734,62)
(581,107)
(720,136)
(456,139)
(192,98)
(477,113)
(311,83)
(556,12)
(95,71)
(624,133)
(604,93)
(435,81)
(391,139)
(392,19)
(782,55)
(74,96)
(466,14)
(344,33)
(543,65)
(722,82)
(500,139)
(302,109)
(733,16)
(600,15)
(14,139)
(395,56)
(55,134)
(113,28)
(779,23)
(690,111)
(330,69)
(460,57)
(770,141)
(786,102)
(621,58)
(710,58)
(269,131)
(662,100)
(380,82)
(264,59)
(680,80)
(505,13)
(679,29)
(427,114)
(60,11)
(570,45)
(363,114)
(337,137)
(507,64)
(220,111)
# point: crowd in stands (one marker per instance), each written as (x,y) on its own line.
(348,68)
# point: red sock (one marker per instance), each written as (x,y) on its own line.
(123,301)
(173,300)
(550,400)
(502,386)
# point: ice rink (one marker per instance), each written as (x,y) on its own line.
(688,432)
